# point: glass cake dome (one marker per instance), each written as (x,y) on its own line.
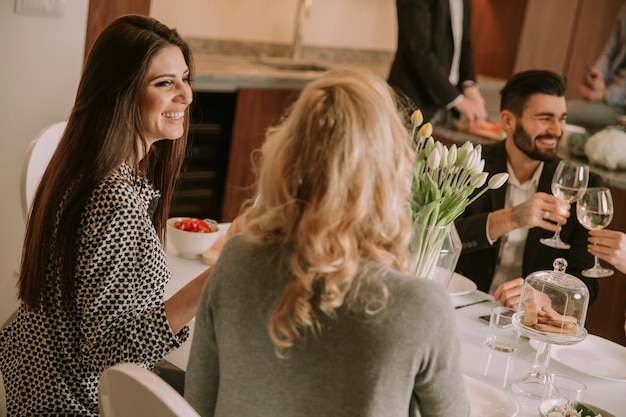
(553,306)
(552,310)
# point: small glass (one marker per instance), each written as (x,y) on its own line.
(502,340)
(569,182)
(502,336)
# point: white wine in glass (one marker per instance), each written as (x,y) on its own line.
(569,182)
(594,211)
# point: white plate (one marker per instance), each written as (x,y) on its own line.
(593,356)
(486,401)
(460,285)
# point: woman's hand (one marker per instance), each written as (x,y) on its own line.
(610,246)
(234,228)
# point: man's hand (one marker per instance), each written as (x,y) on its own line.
(540,211)
(593,87)
(508,293)
(472,106)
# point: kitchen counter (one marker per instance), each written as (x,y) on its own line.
(229,66)
(231,73)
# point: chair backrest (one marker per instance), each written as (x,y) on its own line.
(3,399)
(38,155)
(130,390)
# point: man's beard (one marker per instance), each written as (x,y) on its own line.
(525,143)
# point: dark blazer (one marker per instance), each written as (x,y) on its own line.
(424,53)
(478,258)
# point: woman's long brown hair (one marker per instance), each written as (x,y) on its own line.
(103,131)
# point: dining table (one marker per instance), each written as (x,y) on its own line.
(488,374)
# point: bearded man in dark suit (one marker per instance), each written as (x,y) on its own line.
(501,230)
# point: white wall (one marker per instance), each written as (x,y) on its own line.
(355,24)
(40,65)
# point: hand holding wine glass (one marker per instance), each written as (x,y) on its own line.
(568,183)
(594,211)
(610,246)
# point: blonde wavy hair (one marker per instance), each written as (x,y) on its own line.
(333,182)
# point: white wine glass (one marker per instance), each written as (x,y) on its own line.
(594,211)
(568,183)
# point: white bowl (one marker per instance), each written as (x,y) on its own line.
(189,244)
(546,405)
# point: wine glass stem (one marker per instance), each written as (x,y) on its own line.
(539,369)
(596,263)
(557,234)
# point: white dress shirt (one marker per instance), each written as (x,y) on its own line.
(456,19)
(511,254)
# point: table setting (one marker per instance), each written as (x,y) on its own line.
(605,390)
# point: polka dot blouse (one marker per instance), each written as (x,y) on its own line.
(51,360)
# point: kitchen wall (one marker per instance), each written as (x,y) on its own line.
(39,73)
(357,24)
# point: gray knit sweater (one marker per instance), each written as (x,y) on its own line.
(403,361)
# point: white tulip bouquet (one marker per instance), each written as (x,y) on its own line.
(443,182)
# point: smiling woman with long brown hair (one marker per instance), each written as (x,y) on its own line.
(93,268)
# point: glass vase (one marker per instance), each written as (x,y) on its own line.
(436,251)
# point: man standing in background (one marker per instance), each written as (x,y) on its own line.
(434,61)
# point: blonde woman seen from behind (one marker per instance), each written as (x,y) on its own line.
(310,310)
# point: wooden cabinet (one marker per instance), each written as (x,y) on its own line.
(257,109)
(565,36)
(103,12)
(496,29)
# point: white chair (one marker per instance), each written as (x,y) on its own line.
(38,155)
(129,390)
(3,399)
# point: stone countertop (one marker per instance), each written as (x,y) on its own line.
(615,179)
(230,73)
(229,66)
